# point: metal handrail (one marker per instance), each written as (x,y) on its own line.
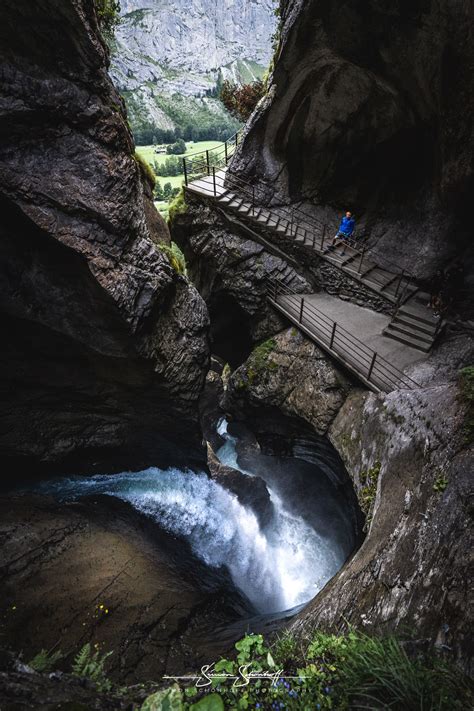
(367,363)
(231,139)
(308,220)
(246,190)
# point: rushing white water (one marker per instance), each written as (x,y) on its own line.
(302,560)
(278,567)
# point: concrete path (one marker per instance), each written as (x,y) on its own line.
(367,326)
(352,335)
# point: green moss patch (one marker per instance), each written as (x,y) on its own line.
(466,396)
(369,480)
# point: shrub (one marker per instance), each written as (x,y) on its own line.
(176,257)
(108,16)
(45,661)
(177,148)
(90,664)
(339,672)
(466,396)
(146,170)
(240,101)
(177,206)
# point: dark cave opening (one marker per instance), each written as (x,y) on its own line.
(230,329)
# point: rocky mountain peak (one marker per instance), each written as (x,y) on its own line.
(184,47)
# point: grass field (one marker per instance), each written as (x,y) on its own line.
(148,152)
(175,180)
(162,206)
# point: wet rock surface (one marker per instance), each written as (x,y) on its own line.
(252,491)
(231,272)
(107,347)
(410,465)
(288,373)
(61,562)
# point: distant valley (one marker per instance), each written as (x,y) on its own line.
(169,58)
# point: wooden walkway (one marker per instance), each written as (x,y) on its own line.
(413,326)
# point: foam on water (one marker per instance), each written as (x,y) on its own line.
(278,567)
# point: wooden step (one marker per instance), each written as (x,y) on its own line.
(376,276)
(256,213)
(227,198)
(245,208)
(264,217)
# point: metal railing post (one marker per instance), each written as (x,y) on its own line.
(333,334)
(236,139)
(301,310)
(314,239)
(185,171)
(371,366)
(399,283)
(226,154)
(208,163)
(214,180)
(323,237)
(359,269)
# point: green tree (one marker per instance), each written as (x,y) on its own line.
(167,191)
(108,16)
(177,148)
(158,192)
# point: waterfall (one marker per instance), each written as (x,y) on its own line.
(277,568)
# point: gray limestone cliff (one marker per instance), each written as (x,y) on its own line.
(183,48)
(106,346)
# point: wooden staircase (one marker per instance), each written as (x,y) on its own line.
(413,323)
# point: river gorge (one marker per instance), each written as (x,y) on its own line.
(279,563)
(182,465)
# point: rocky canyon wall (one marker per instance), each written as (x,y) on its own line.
(369,109)
(105,345)
(410,465)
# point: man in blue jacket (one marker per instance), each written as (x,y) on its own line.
(346,228)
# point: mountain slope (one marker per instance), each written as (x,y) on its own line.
(165,50)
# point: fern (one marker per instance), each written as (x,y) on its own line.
(90,664)
(45,661)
